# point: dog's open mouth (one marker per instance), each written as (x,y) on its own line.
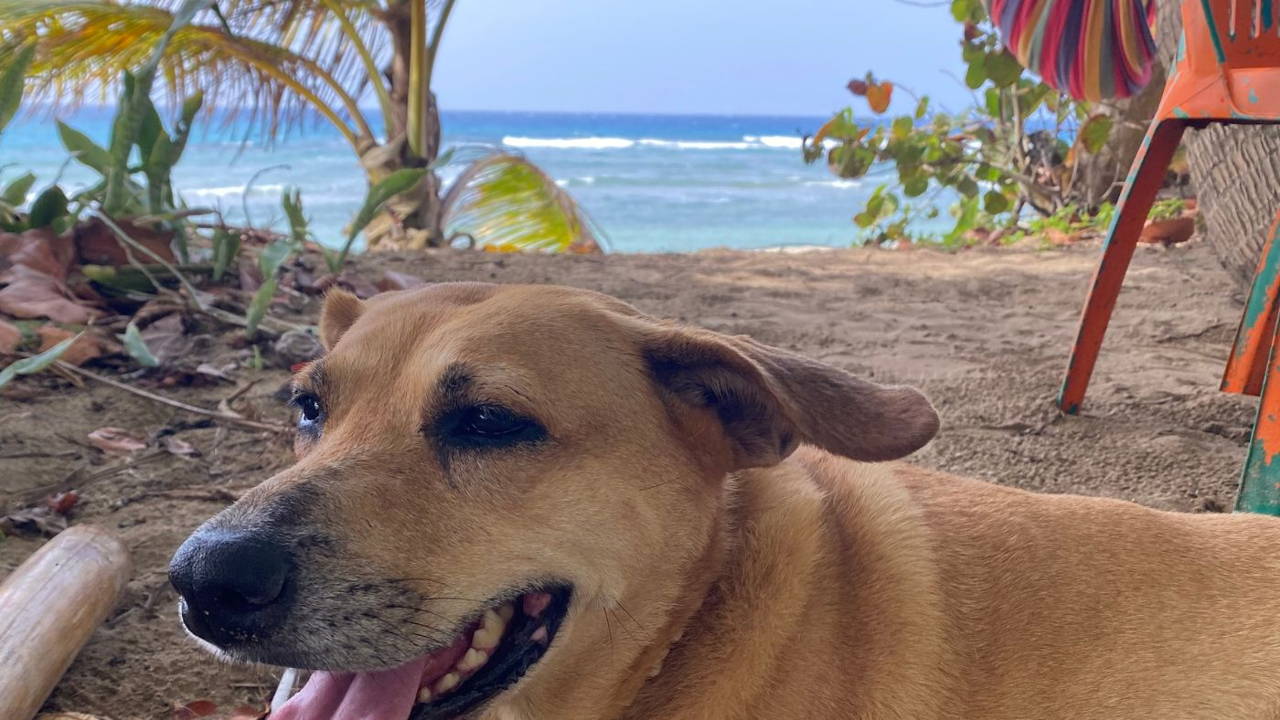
(488,657)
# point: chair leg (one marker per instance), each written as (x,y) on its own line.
(1247,364)
(1131,214)
(1260,481)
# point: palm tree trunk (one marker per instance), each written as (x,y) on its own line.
(1234,170)
(411,220)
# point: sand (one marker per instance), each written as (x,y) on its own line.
(985,333)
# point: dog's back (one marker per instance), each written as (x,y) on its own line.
(1063,606)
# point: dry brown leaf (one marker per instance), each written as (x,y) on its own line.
(116,441)
(177,446)
(97,244)
(84,349)
(10,338)
(194,709)
(63,501)
(245,712)
(34,270)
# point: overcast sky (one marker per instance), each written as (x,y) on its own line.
(690,56)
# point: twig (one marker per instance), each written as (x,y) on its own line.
(124,237)
(234,419)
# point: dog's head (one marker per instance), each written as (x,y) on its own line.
(490,479)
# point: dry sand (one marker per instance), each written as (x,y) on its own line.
(985,333)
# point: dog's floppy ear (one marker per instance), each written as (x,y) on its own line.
(769,400)
(341,309)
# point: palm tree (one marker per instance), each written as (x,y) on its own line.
(283,60)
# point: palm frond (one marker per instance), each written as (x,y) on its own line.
(85,45)
(506,203)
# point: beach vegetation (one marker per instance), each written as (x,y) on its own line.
(1023,151)
(286,64)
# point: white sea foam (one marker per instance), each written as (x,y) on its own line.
(748,142)
(232,191)
(789,142)
(835,183)
(587,143)
(698,144)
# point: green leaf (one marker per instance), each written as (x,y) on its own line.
(226,245)
(258,306)
(1095,133)
(902,127)
(11,81)
(49,208)
(967,187)
(16,193)
(269,262)
(390,186)
(916,186)
(83,149)
(995,202)
(36,363)
(922,108)
(976,74)
(291,201)
(137,347)
(1003,68)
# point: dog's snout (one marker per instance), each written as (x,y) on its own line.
(234,585)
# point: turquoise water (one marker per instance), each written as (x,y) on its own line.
(653,183)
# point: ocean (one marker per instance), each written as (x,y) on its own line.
(652,183)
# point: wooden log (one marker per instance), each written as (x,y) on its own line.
(49,607)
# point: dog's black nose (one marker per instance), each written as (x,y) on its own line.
(234,585)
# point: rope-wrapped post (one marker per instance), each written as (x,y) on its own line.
(49,607)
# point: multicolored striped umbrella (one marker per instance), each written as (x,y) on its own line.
(1089,49)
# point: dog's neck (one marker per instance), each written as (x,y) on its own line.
(813,550)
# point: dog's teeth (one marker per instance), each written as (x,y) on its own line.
(536,603)
(490,631)
(447,683)
(539,635)
(424,695)
(473,659)
(506,612)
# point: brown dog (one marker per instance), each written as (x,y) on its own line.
(534,503)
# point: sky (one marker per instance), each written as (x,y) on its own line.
(691,56)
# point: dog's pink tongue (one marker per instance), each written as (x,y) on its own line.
(384,695)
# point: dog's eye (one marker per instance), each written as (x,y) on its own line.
(309,410)
(488,426)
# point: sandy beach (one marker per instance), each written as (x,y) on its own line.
(984,332)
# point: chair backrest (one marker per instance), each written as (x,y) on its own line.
(1245,33)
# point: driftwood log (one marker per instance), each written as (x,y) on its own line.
(49,607)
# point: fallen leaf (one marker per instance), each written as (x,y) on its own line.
(362,288)
(246,712)
(85,348)
(194,709)
(10,338)
(117,441)
(34,270)
(392,280)
(97,244)
(179,447)
(167,339)
(63,501)
(39,520)
(213,371)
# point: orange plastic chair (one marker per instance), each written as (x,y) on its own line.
(1227,71)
